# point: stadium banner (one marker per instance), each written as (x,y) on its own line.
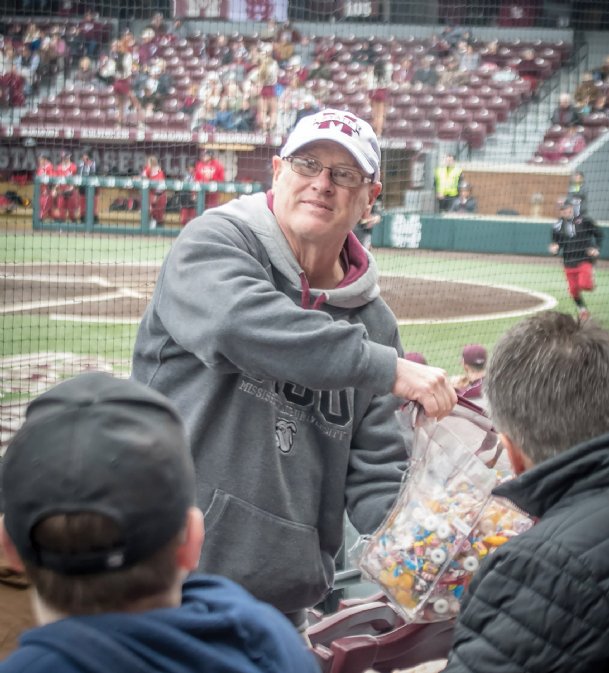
(234,10)
(267,10)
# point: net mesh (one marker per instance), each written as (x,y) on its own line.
(102,103)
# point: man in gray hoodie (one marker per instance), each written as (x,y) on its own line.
(267,331)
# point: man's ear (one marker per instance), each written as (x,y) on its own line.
(278,164)
(519,460)
(10,552)
(189,551)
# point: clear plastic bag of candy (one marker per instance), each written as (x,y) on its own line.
(445,520)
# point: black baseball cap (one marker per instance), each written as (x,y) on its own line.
(103,445)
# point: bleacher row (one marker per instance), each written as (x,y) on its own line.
(467,112)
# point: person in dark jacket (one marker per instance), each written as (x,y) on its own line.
(539,602)
(99,489)
(579,239)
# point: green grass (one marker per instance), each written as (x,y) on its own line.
(441,343)
(78,248)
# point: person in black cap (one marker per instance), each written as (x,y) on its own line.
(99,489)
(579,239)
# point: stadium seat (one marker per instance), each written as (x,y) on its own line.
(499,106)
(412,113)
(486,117)
(449,130)
(460,115)
(555,132)
(401,128)
(474,134)
(424,129)
(437,115)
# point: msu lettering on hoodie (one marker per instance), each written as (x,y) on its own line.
(285,392)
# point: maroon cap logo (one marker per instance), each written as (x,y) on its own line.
(345,123)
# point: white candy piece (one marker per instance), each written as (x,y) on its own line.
(441,606)
(438,556)
(470,563)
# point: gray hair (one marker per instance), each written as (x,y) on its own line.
(548,383)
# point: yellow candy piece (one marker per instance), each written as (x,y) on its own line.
(495,540)
(388,578)
(405,581)
(405,598)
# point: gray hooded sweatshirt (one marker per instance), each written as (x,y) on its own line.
(285,392)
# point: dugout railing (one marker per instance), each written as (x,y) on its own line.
(102,219)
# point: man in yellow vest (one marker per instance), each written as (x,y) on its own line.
(447,180)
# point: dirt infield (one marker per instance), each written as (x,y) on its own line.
(119,293)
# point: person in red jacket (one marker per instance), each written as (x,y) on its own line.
(209,169)
(45,201)
(67,200)
(158,195)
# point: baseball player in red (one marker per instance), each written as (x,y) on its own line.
(158,195)
(209,169)
(579,239)
(67,200)
(45,168)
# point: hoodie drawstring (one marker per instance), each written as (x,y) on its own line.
(306,295)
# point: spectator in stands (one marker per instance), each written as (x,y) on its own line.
(90,30)
(147,48)
(107,65)
(586,93)
(465,202)
(53,57)
(267,75)
(601,74)
(379,78)
(566,114)
(12,83)
(469,384)
(527,67)
(426,74)
(191,100)
(67,199)
(447,179)
(469,59)
(45,202)
(123,86)
(450,76)
(86,73)
(26,64)
(209,169)
(600,105)
(571,143)
(87,168)
(210,97)
(107,531)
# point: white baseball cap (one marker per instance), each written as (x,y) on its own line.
(342,127)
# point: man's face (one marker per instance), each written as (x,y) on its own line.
(313,210)
(566,212)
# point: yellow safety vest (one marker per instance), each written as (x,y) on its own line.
(447,180)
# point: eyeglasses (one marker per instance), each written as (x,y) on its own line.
(340,175)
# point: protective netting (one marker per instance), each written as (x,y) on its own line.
(485,111)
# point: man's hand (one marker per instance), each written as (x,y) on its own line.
(592,252)
(553,248)
(429,386)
